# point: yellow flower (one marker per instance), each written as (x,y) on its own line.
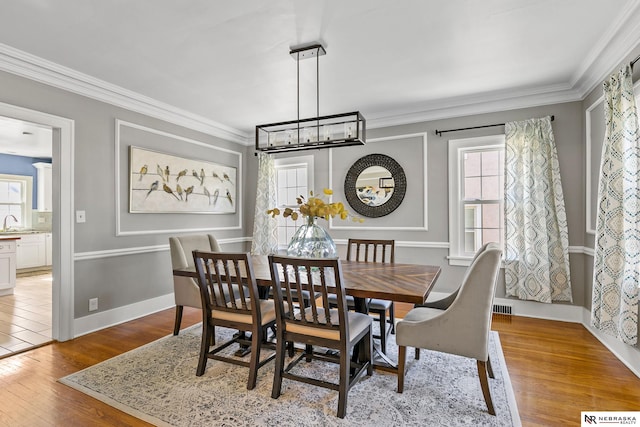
(315,207)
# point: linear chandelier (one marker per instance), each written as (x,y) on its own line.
(337,130)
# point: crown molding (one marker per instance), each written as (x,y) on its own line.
(478,104)
(609,51)
(23,64)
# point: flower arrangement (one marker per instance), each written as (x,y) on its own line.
(315,207)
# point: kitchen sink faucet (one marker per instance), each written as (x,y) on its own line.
(4,223)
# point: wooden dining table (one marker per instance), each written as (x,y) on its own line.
(410,283)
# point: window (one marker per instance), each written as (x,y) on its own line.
(15,199)
(476,195)
(294,176)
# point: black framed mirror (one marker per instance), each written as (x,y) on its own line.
(375,185)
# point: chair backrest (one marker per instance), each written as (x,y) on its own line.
(223,273)
(321,275)
(370,250)
(182,248)
(484,247)
(474,302)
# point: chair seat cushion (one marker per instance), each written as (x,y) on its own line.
(379,304)
(267,309)
(357,323)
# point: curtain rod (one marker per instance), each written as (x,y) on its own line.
(634,61)
(440,132)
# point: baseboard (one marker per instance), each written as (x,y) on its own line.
(627,354)
(105,319)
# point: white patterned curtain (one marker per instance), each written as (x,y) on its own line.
(265,231)
(536,242)
(616,269)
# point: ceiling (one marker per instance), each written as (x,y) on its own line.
(228,63)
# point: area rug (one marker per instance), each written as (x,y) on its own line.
(157,383)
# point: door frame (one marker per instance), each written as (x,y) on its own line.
(62,217)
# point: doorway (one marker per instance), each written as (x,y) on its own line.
(62,218)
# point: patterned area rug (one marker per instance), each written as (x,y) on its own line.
(157,383)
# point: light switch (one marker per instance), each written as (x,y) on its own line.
(80,216)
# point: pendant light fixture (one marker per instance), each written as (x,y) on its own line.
(338,130)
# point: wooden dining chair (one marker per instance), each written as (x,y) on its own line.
(463,327)
(319,325)
(219,274)
(383,251)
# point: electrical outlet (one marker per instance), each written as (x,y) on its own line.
(81,216)
(93,304)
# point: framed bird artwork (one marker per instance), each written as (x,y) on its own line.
(165,183)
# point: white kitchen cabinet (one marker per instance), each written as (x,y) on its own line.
(44,188)
(7,266)
(48,249)
(30,250)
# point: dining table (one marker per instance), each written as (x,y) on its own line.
(397,282)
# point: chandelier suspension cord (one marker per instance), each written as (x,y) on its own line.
(318,94)
(298,89)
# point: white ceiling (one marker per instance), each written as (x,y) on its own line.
(228,62)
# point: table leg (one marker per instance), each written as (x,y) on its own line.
(380,359)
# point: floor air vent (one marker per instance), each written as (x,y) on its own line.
(502,309)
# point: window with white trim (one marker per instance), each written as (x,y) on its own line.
(476,195)
(294,176)
(15,200)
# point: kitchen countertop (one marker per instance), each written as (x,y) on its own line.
(9,237)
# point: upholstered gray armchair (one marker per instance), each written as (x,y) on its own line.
(458,325)
(185,289)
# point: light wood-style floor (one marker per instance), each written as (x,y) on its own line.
(25,316)
(557,370)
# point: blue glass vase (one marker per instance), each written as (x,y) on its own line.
(312,241)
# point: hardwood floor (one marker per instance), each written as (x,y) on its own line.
(557,370)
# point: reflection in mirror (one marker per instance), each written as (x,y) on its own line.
(374,186)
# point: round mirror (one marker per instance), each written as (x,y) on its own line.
(375,185)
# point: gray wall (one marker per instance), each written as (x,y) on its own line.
(415,245)
(116,280)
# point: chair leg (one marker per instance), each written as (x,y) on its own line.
(369,352)
(382,320)
(417,354)
(490,368)
(279,365)
(176,327)
(308,349)
(290,348)
(256,345)
(392,318)
(343,387)
(204,348)
(484,384)
(402,358)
